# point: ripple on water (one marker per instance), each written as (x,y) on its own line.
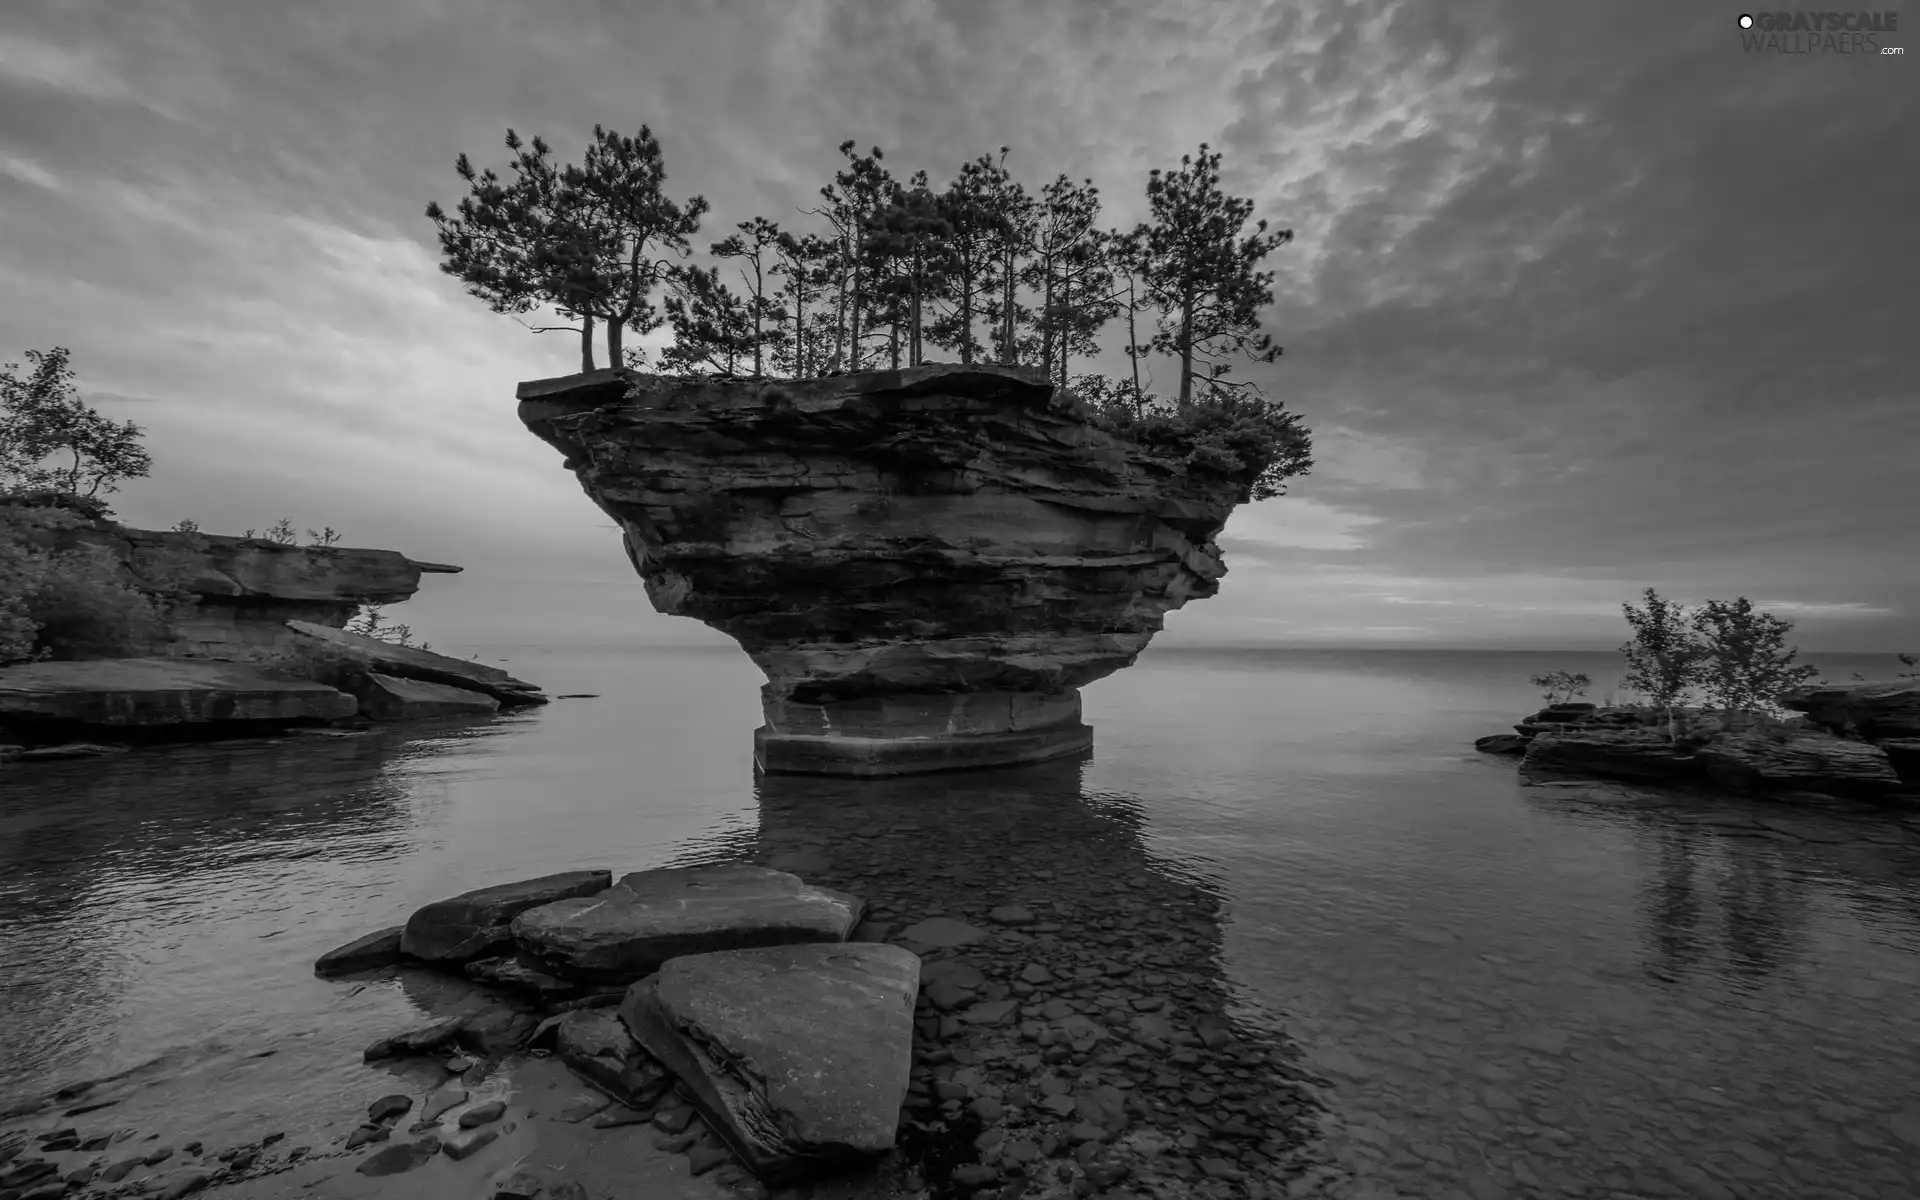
(1552,991)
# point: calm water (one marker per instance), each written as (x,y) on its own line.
(1517,991)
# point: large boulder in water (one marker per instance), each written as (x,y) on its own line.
(928,563)
(475,924)
(797,1055)
(626,932)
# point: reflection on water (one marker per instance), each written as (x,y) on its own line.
(1590,990)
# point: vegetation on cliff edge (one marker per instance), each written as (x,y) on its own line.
(1724,654)
(979,267)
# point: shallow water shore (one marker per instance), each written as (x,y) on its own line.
(1594,990)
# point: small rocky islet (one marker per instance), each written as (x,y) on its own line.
(1858,743)
(777,1031)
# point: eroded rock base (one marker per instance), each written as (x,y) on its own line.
(879,757)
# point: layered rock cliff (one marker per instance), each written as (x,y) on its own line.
(248,589)
(941,551)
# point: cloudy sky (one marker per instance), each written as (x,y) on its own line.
(1583,298)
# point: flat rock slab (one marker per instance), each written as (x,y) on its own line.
(797,1055)
(388,698)
(380,948)
(475,924)
(123,692)
(410,662)
(627,932)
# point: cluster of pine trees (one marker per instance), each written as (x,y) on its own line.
(981,268)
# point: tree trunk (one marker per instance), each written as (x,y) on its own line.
(1133,339)
(1186,349)
(853,321)
(840,317)
(914,351)
(1009,287)
(759,302)
(1066,307)
(614,328)
(1047,314)
(966,310)
(799,336)
(586,342)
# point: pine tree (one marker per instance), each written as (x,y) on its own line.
(1126,259)
(1011,216)
(753,244)
(909,235)
(581,238)
(712,328)
(805,273)
(512,242)
(856,194)
(975,225)
(1201,273)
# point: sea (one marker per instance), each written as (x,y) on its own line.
(1506,988)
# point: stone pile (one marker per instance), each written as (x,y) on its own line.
(737,981)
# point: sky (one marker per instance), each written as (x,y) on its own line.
(1583,298)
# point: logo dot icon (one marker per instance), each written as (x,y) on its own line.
(1746,22)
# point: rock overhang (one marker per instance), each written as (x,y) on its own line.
(943,530)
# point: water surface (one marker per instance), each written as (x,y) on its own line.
(1514,991)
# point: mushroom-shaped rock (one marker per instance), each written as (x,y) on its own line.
(473,924)
(626,932)
(927,563)
(797,1055)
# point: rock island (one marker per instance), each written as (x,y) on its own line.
(927,563)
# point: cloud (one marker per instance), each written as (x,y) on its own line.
(1582,298)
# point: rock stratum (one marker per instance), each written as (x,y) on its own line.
(218,659)
(247,589)
(928,564)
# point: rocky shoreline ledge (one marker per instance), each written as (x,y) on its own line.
(255,644)
(1857,742)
